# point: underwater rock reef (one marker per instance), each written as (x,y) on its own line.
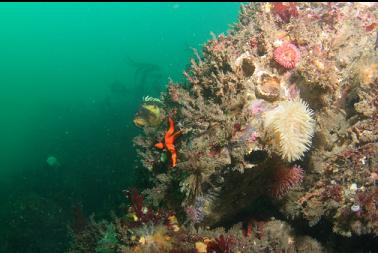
(144,229)
(282,110)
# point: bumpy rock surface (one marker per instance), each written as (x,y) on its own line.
(230,155)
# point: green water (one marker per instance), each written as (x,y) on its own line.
(72,77)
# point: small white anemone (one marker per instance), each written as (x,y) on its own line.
(353,187)
(277,43)
(355,208)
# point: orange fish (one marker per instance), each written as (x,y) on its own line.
(169,140)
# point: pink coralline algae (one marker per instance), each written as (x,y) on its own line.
(257,107)
(293,92)
(285,179)
(245,134)
(173,91)
(287,55)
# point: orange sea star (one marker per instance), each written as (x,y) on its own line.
(169,140)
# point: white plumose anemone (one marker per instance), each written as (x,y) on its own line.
(290,127)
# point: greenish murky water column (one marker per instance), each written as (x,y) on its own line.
(72,76)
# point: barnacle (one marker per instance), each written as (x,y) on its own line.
(268,87)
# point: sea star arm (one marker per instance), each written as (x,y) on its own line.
(159,145)
(171,127)
(171,148)
(177,134)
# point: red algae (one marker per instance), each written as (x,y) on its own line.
(285,11)
(221,245)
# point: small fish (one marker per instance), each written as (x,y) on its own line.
(148,115)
